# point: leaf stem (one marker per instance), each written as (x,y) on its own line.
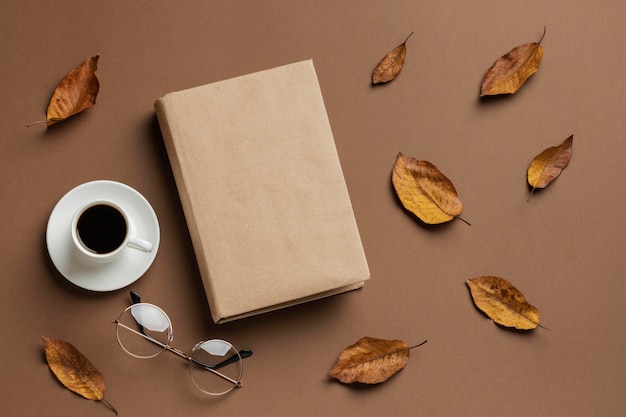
(38,122)
(407,38)
(544,34)
(464,221)
(108,404)
(419,344)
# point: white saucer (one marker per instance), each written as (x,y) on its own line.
(121,272)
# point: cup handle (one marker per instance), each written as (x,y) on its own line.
(140,244)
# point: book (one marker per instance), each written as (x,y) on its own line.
(263,192)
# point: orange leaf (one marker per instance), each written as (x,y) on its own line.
(391,65)
(510,72)
(425,191)
(74,370)
(503,303)
(549,164)
(76,92)
(371,361)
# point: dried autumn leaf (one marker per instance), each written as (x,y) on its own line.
(425,191)
(76,92)
(549,164)
(391,65)
(510,71)
(503,303)
(74,370)
(371,361)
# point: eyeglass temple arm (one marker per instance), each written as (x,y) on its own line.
(244,353)
(136,300)
(135,297)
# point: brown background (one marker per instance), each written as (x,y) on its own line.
(564,249)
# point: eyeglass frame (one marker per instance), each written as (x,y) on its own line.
(238,356)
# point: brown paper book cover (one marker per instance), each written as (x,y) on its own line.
(263,192)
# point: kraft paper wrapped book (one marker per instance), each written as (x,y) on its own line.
(263,192)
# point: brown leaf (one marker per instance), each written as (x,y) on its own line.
(510,72)
(74,370)
(371,361)
(76,92)
(425,191)
(391,65)
(549,164)
(503,303)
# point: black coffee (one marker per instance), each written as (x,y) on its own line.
(101,228)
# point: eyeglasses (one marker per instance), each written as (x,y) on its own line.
(144,330)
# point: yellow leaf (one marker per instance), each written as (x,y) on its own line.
(510,72)
(503,303)
(391,64)
(549,164)
(371,361)
(425,191)
(74,370)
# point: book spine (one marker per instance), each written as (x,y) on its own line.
(172,138)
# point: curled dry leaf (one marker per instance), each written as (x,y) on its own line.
(510,72)
(549,164)
(371,361)
(391,65)
(503,303)
(74,370)
(76,92)
(425,191)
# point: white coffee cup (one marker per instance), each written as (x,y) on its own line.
(102,230)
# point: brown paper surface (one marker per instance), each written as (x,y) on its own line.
(263,191)
(564,249)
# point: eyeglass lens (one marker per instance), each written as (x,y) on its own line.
(144,330)
(215,366)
